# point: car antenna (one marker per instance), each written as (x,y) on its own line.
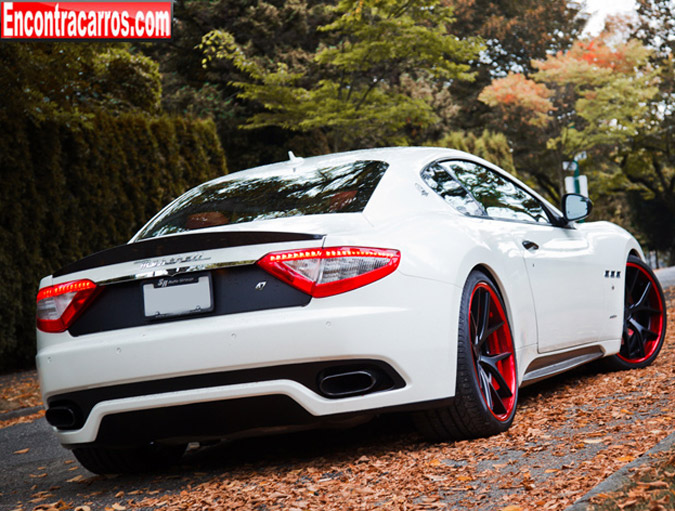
(294,159)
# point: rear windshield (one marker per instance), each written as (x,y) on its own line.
(285,192)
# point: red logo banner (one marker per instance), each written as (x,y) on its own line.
(85,20)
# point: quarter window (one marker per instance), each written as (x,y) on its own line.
(500,197)
(444,184)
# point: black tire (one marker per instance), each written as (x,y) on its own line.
(487,389)
(128,460)
(644,320)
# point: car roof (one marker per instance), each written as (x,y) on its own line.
(391,155)
(403,161)
(406,164)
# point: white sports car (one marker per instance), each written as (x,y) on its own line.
(320,290)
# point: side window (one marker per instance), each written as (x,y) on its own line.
(499,197)
(445,185)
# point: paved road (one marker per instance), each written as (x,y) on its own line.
(50,472)
(19,472)
(666,276)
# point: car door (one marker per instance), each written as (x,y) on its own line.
(567,287)
(561,265)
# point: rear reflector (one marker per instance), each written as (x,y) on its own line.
(58,306)
(322,272)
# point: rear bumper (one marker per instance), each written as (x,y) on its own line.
(411,331)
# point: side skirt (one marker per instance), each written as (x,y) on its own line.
(550,365)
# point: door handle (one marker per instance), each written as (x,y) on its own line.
(530,245)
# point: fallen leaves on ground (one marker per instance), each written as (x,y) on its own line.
(570,434)
(652,487)
(19,390)
(54,506)
(20,420)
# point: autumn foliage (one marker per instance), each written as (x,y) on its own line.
(586,67)
(515,94)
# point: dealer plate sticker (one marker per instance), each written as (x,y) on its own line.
(177,296)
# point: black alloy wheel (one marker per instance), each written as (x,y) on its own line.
(644,319)
(486,391)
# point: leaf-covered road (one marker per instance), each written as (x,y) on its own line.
(570,433)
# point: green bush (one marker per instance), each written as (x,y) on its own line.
(71,189)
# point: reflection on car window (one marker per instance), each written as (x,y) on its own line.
(445,185)
(499,197)
(278,193)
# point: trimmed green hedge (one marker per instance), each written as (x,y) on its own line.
(68,190)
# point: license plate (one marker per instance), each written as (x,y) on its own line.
(177,296)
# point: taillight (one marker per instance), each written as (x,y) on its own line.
(323,272)
(58,306)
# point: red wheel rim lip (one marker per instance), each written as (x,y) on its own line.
(507,367)
(653,345)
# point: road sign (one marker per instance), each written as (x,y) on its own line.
(570,166)
(578,184)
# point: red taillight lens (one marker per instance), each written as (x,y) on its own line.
(58,306)
(329,271)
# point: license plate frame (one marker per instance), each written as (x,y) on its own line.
(183,295)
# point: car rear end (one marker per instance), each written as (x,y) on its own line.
(205,326)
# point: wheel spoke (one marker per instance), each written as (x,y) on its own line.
(635,345)
(493,399)
(634,324)
(635,308)
(489,364)
(644,330)
(639,345)
(485,387)
(644,296)
(490,331)
(629,290)
(484,319)
(498,407)
(650,335)
(648,310)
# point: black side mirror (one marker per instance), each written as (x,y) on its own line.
(576,207)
